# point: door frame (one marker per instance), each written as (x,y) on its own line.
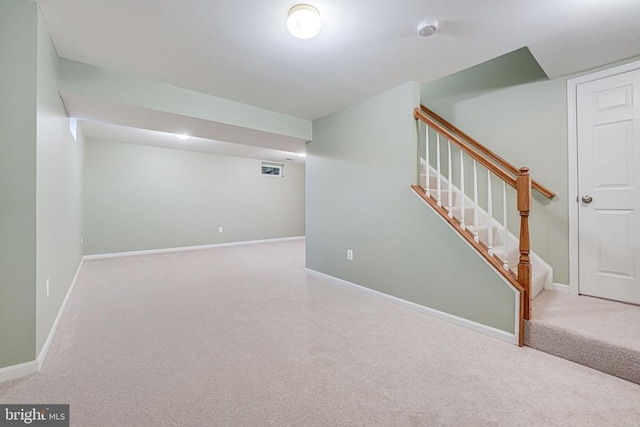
(572,159)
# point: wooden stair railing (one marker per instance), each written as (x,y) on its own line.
(521,182)
(484,150)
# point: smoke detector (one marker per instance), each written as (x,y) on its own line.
(428,27)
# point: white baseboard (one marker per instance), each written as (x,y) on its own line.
(558,287)
(458,321)
(54,328)
(28,368)
(189,248)
(16,371)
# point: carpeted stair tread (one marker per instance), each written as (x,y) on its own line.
(597,333)
(604,356)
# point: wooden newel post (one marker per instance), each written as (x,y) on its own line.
(523,187)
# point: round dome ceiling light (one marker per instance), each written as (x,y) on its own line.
(182,136)
(428,27)
(304,21)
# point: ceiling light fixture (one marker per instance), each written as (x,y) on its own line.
(302,155)
(304,21)
(182,136)
(428,27)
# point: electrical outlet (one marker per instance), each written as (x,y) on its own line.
(47,286)
(349,255)
(220,229)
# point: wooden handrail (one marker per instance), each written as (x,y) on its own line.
(523,184)
(484,150)
(419,115)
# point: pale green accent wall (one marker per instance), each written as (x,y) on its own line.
(523,118)
(506,106)
(512,69)
(532,132)
(59,192)
(360,166)
(140,198)
(95,82)
(18,50)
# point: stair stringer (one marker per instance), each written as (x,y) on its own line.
(542,272)
(517,337)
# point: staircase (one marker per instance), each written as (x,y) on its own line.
(541,272)
(475,191)
(458,178)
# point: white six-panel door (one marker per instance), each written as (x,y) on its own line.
(608,142)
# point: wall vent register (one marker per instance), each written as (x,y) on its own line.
(272,169)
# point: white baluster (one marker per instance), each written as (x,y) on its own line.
(462,196)
(439,185)
(489,214)
(427,190)
(505,258)
(475,201)
(450,188)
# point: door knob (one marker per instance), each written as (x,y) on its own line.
(587,199)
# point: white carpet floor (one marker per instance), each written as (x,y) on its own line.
(241,336)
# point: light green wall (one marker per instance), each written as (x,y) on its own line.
(40,173)
(523,118)
(360,166)
(512,69)
(18,53)
(59,192)
(532,133)
(139,198)
(507,105)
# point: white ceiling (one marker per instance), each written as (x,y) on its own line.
(240,49)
